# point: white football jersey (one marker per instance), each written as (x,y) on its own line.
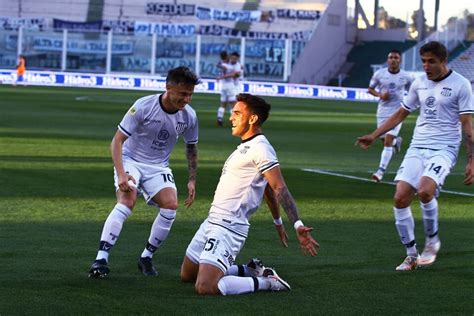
(152,132)
(441,103)
(242,184)
(229,68)
(396,85)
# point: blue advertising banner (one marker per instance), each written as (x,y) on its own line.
(157,83)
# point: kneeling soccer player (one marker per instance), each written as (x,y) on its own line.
(251,171)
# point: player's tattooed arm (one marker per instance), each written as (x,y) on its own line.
(191,156)
(286,201)
(469,146)
(466,122)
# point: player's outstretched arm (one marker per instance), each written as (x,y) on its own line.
(466,123)
(397,117)
(283,196)
(274,207)
(191,156)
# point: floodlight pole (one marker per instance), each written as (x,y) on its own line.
(153,53)
(108,60)
(19,48)
(198,55)
(64,51)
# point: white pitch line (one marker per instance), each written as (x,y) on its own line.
(330,173)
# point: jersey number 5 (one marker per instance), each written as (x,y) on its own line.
(209,244)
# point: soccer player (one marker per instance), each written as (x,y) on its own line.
(251,171)
(232,72)
(389,85)
(141,149)
(444,99)
(20,70)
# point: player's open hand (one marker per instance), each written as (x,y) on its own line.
(469,172)
(385,96)
(282,234)
(364,141)
(307,242)
(191,193)
(126,183)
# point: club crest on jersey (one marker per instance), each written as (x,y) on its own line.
(430,102)
(180,127)
(446,92)
(244,150)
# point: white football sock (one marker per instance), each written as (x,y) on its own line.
(430,217)
(385,157)
(159,231)
(406,228)
(220,113)
(231,285)
(240,270)
(112,228)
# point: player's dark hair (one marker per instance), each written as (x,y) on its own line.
(182,75)
(224,55)
(395,51)
(436,48)
(256,105)
(235,54)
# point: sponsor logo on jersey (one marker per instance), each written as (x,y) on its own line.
(430,110)
(180,127)
(447,92)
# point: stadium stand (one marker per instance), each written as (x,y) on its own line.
(366,54)
(275,24)
(464,62)
(74,10)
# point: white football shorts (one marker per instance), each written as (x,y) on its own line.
(215,245)
(394,131)
(150,179)
(418,162)
(228,92)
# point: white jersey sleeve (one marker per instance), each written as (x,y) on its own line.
(190,135)
(375,80)
(134,116)
(411,102)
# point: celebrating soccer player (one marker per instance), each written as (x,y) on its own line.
(444,99)
(249,173)
(141,150)
(391,84)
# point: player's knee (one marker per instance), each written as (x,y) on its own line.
(401,200)
(186,276)
(425,195)
(170,205)
(206,288)
(130,203)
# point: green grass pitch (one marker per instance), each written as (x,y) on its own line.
(56,189)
